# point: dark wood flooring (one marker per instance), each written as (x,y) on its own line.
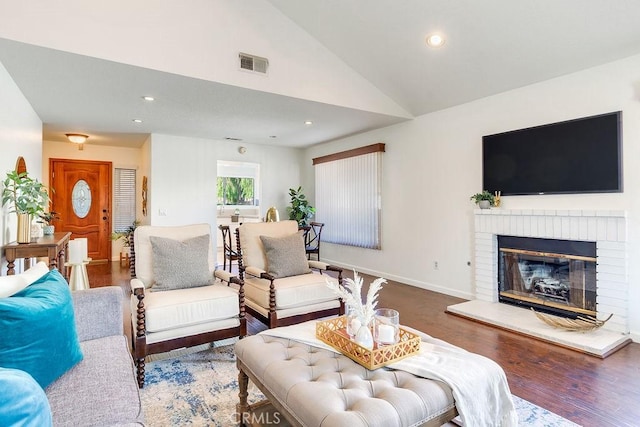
(584,389)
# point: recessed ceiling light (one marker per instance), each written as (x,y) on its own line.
(148,98)
(137,120)
(308,122)
(435,40)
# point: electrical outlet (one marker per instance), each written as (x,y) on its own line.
(435,265)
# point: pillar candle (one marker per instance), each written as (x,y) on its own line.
(83,248)
(75,252)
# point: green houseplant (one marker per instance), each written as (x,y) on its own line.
(127,235)
(47,218)
(300,210)
(27,197)
(484,200)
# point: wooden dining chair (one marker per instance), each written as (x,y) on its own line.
(312,239)
(228,252)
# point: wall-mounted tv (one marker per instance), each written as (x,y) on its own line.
(577,156)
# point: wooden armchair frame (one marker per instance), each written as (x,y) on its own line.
(272,320)
(139,335)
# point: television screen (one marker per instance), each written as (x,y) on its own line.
(576,156)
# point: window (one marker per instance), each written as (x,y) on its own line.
(348,196)
(238,184)
(124,199)
(235,191)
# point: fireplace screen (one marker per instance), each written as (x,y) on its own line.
(556,276)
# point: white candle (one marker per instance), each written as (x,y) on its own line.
(386,334)
(354,325)
(75,252)
(83,248)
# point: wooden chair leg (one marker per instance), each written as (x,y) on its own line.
(140,370)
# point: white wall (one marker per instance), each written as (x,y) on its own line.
(120,157)
(182,180)
(433,165)
(20,135)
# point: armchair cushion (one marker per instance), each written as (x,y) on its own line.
(38,330)
(143,255)
(187,307)
(180,264)
(253,254)
(294,291)
(286,256)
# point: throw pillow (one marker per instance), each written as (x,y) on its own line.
(10,285)
(39,331)
(22,402)
(180,265)
(286,256)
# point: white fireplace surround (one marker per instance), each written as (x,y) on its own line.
(607,228)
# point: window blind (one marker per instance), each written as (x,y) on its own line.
(348,197)
(124,199)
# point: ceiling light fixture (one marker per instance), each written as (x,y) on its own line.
(77,138)
(137,120)
(308,122)
(435,40)
(148,98)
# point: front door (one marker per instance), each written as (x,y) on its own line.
(81,194)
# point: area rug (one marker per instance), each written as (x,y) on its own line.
(201,389)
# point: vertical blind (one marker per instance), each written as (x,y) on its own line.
(348,198)
(124,199)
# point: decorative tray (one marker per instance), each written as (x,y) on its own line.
(334,333)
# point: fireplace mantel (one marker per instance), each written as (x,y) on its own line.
(608,229)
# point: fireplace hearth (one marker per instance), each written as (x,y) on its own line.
(549,275)
(606,229)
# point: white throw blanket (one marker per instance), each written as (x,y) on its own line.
(479,385)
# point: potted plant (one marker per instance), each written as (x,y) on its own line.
(300,210)
(47,218)
(484,200)
(126,236)
(27,197)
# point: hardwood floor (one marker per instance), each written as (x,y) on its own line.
(584,389)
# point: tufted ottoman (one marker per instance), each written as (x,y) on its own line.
(309,386)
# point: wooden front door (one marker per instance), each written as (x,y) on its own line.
(81,194)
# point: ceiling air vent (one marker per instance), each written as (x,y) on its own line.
(253,63)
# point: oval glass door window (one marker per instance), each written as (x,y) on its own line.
(81,198)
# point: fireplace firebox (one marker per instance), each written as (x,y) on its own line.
(550,275)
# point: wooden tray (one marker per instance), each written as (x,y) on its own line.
(334,333)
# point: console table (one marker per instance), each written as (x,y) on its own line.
(53,247)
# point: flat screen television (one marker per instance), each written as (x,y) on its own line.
(577,156)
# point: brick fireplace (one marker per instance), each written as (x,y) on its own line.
(607,229)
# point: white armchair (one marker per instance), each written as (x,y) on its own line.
(174,301)
(281,285)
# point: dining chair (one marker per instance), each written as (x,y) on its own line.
(228,252)
(312,239)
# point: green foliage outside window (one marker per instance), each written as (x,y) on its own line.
(235,191)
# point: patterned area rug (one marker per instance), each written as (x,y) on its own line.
(201,389)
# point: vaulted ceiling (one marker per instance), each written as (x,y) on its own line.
(491,46)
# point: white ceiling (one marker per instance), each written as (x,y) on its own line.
(491,46)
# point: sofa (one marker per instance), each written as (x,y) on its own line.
(98,390)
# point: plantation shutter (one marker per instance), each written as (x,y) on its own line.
(124,199)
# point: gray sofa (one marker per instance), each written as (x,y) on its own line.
(101,390)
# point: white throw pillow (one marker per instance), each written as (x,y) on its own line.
(11,285)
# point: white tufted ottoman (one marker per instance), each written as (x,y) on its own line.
(313,387)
